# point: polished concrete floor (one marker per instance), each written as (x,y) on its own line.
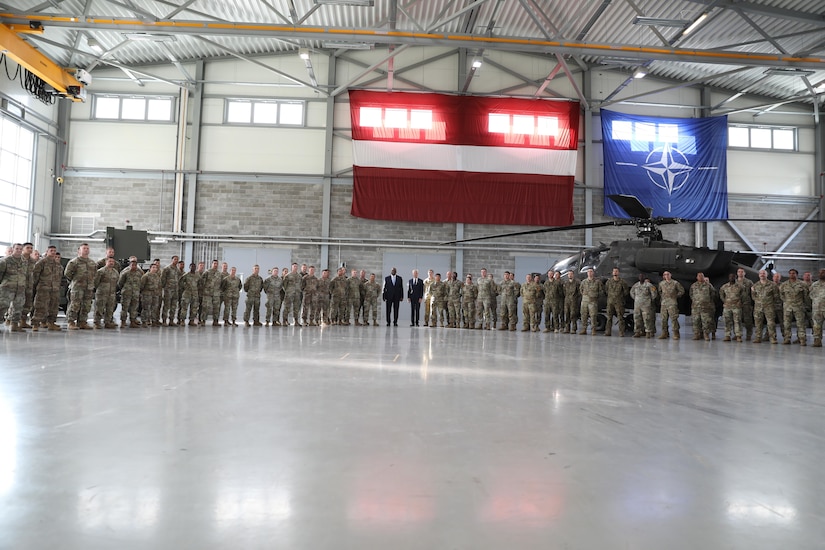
(396,438)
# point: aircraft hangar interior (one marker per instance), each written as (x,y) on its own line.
(677,142)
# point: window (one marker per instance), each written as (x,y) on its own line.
(395,117)
(762,137)
(268,112)
(525,125)
(139,108)
(16,161)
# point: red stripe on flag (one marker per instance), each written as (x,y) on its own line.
(462,197)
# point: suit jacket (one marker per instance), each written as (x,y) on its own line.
(415,289)
(393,292)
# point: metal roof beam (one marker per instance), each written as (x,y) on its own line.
(782,13)
(741,13)
(372,67)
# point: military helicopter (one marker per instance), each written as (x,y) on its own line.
(648,253)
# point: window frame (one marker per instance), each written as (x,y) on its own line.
(146,99)
(762,127)
(11,206)
(252,101)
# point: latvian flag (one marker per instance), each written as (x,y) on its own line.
(442,158)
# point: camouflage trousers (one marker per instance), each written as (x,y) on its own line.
(338,309)
(703,324)
(46,306)
(253,307)
(308,306)
(615,307)
(571,314)
(230,308)
(105,304)
(188,307)
(765,315)
(469,310)
(670,312)
(644,319)
(292,305)
(509,313)
(530,311)
(150,302)
(371,309)
(438,313)
(794,313)
(732,316)
(354,309)
(589,310)
(129,301)
(747,317)
(454,312)
(553,314)
(488,312)
(320,308)
(80,305)
(818,314)
(14,299)
(273,307)
(170,304)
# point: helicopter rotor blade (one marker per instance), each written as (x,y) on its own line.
(543,230)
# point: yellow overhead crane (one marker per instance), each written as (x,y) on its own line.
(61,80)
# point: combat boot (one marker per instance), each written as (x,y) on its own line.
(24,324)
(817,343)
(525,329)
(726,338)
(15,327)
(607,332)
(773,341)
(109,325)
(502,328)
(663,336)
(739,339)
(697,336)
(637,335)
(803,341)
(257,324)
(246,323)
(757,340)
(134,324)
(84,326)
(72,325)
(787,341)
(649,335)
(53,326)
(676,335)
(35,327)
(215,323)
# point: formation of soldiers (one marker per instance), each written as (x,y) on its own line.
(169,296)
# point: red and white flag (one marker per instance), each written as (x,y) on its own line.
(442,158)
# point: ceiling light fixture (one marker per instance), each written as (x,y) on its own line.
(149,37)
(348,45)
(660,22)
(639,73)
(362,3)
(788,71)
(695,24)
(477,63)
(303,53)
(94,44)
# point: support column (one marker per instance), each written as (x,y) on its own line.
(326,191)
(589,159)
(60,159)
(819,182)
(459,253)
(193,159)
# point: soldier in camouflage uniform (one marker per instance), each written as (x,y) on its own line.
(13,285)
(747,303)
(224,274)
(292,296)
(644,313)
(231,287)
(591,290)
(129,285)
(702,307)
(553,302)
(150,291)
(189,284)
(732,295)
(530,290)
(338,289)
(106,295)
(778,308)
(272,287)
(80,272)
(438,309)
(212,294)
(28,262)
(670,291)
(427,298)
(509,302)
(372,290)
(487,296)
(110,253)
(454,288)
(572,299)
(321,306)
(817,294)
(169,279)
(764,293)
(253,285)
(309,286)
(794,293)
(46,279)
(617,292)
(354,297)
(469,295)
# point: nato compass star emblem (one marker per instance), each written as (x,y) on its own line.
(668,168)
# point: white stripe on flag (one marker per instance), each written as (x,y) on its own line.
(468,158)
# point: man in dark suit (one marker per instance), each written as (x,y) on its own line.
(392,295)
(415,295)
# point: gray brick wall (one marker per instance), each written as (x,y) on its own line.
(257,209)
